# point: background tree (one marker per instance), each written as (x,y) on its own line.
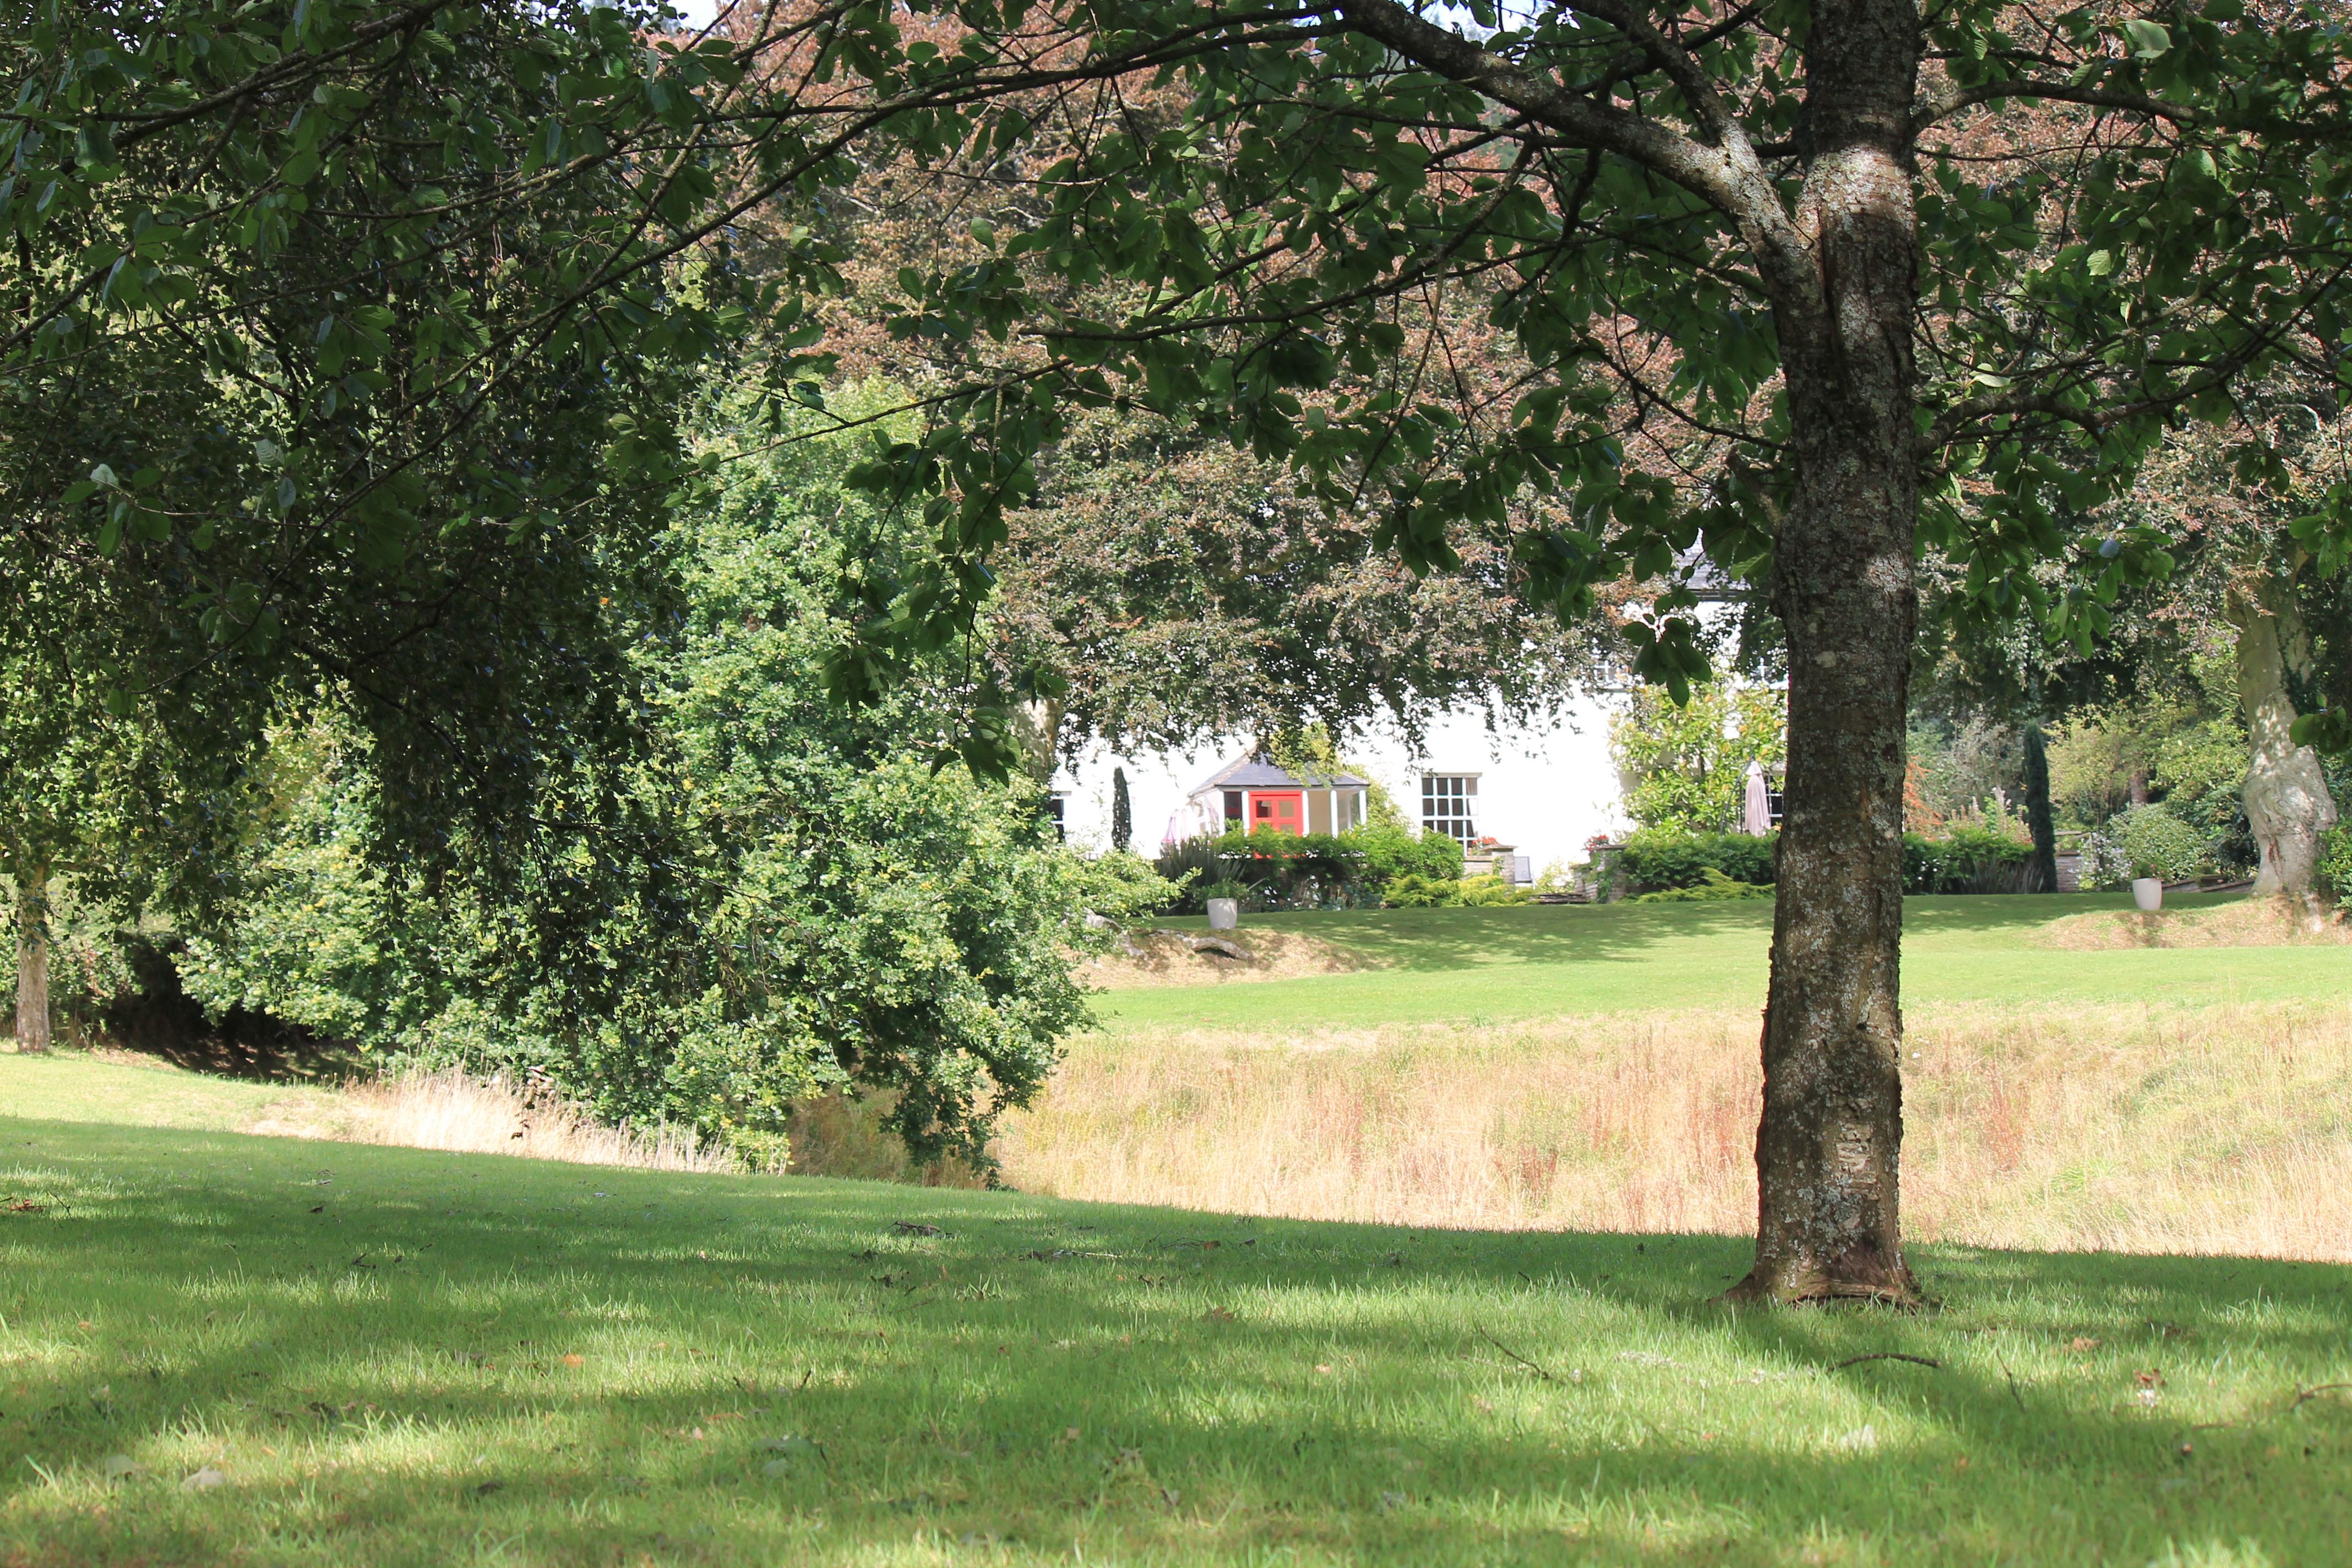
(1122,815)
(804,903)
(411,292)
(2038,819)
(1683,765)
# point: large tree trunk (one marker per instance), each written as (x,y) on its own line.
(1829,1149)
(33,960)
(2285,794)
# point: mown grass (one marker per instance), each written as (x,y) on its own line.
(396,1357)
(1562,960)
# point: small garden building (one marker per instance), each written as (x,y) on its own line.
(1255,795)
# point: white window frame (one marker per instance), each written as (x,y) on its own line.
(1449,804)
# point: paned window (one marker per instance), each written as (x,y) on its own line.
(1449,805)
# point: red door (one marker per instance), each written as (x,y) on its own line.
(1278,813)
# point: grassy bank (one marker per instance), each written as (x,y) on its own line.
(2144,1128)
(1560,961)
(391,1357)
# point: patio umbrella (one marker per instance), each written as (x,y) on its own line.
(1757,820)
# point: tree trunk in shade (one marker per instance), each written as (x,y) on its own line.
(33,959)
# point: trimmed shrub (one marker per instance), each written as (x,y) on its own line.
(1968,861)
(1416,892)
(1478,893)
(1658,858)
(1713,885)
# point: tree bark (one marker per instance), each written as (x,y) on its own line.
(33,960)
(2286,793)
(1829,1148)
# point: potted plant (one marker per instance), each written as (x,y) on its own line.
(2147,886)
(1224,902)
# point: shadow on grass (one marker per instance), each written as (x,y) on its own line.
(1430,940)
(392,1354)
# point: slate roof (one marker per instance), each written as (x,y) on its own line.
(1256,772)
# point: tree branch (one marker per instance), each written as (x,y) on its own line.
(1725,175)
(1947,101)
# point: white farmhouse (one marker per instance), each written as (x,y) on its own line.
(1528,798)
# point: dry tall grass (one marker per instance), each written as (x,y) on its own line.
(2224,1130)
(454,1110)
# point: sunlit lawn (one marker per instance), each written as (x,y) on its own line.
(387,1357)
(1552,960)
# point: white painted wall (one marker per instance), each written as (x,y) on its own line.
(1547,791)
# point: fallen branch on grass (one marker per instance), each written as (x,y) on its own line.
(1887,1355)
(1515,1356)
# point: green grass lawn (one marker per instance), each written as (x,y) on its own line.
(389,1357)
(1552,960)
(67,1086)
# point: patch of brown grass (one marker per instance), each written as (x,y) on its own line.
(2240,922)
(2137,1129)
(1153,958)
(454,1110)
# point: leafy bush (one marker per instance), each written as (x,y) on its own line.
(1656,859)
(2105,864)
(1687,764)
(1969,860)
(1713,885)
(2334,873)
(1199,869)
(1391,849)
(1411,892)
(1295,871)
(1481,892)
(1270,871)
(2158,844)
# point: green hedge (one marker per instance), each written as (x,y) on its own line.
(1657,859)
(1371,865)
(1968,861)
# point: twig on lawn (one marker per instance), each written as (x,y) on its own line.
(2011,1376)
(1887,1355)
(1515,1356)
(2314,1392)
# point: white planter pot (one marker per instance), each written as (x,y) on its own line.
(1225,914)
(2148,893)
